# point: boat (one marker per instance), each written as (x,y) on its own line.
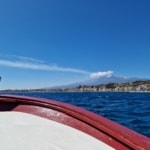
(29,123)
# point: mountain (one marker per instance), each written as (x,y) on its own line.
(101,80)
(111,79)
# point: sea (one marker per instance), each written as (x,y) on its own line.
(130,109)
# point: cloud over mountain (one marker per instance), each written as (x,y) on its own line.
(35,64)
(101,74)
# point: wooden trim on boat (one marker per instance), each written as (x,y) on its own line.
(112,133)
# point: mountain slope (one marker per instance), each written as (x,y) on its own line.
(101,80)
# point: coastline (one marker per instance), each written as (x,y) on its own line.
(136,86)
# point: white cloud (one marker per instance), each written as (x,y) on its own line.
(101,74)
(20,58)
(34,64)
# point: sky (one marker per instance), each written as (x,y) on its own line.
(56,42)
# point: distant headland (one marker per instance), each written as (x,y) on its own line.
(136,86)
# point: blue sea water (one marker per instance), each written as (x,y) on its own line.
(129,109)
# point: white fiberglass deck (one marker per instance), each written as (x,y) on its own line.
(22,131)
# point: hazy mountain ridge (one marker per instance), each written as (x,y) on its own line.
(107,84)
(101,80)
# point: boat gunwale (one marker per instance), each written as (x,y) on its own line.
(124,135)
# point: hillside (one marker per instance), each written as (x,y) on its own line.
(137,86)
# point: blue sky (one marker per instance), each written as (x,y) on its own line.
(55,42)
